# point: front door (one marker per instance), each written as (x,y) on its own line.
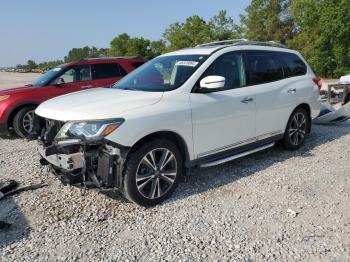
(224,119)
(73,79)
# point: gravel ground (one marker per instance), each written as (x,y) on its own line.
(273,205)
(10,79)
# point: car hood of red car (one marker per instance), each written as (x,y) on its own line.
(16,90)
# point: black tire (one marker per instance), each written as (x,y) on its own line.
(296,130)
(18,121)
(148,178)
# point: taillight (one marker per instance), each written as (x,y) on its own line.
(318,82)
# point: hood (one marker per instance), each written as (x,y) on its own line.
(95,104)
(16,90)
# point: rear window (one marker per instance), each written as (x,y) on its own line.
(292,65)
(137,64)
(109,70)
(263,67)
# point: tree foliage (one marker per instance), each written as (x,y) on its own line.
(85,52)
(319,29)
(124,45)
(323,34)
(268,20)
(31,65)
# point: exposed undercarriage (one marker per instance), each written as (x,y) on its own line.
(78,162)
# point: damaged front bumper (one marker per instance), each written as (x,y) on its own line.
(75,162)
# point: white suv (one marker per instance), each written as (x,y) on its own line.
(200,106)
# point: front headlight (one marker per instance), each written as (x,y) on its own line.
(88,130)
(2,98)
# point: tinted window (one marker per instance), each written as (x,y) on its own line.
(292,65)
(263,67)
(108,71)
(137,64)
(76,74)
(231,67)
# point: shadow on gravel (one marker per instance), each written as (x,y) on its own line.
(11,213)
(201,180)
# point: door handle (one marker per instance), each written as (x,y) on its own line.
(86,87)
(292,91)
(247,100)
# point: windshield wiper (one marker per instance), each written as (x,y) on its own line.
(29,85)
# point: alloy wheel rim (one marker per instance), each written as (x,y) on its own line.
(297,130)
(156,173)
(28,121)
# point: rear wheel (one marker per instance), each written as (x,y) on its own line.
(296,130)
(152,172)
(23,121)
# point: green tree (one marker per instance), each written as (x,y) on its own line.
(222,27)
(157,48)
(85,52)
(195,30)
(124,45)
(268,20)
(31,65)
(119,45)
(323,35)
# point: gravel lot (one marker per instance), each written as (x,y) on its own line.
(243,210)
(9,79)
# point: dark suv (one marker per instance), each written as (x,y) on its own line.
(17,105)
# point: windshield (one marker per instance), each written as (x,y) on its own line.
(162,73)
(48,76)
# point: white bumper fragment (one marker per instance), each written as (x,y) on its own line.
(330,115)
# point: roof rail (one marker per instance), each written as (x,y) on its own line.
(240,42)
(223,42)
(110,57)
(262,43)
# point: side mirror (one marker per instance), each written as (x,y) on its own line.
(58,81)
(211,83)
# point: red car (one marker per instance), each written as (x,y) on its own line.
(17,105)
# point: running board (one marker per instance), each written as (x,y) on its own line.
(227,159)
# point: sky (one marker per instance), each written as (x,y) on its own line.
(44,30)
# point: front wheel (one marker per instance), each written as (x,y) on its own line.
(296,130)
(152,172)
(23,121)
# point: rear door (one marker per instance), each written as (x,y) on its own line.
(106,74)
(275,95)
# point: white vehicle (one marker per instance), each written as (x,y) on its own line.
(200,106)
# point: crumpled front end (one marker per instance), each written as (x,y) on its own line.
(77,161)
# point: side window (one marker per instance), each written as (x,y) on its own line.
(68,76)
(137,64)
(76,74)
(110,70)
(230,66)
(263,67)
(292,65)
